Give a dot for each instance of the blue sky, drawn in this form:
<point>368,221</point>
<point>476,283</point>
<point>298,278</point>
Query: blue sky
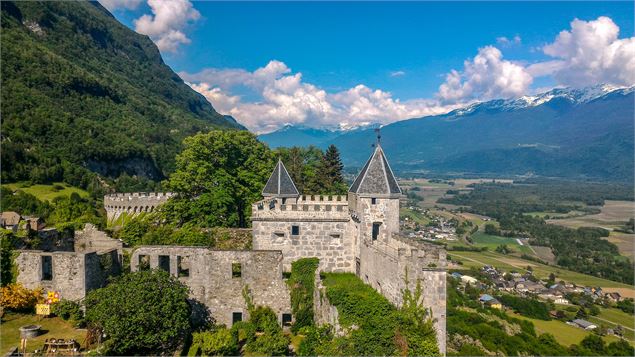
<point>399,53</point>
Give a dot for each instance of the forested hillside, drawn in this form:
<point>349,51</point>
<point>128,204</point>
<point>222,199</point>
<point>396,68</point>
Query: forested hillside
<point>81,92</point>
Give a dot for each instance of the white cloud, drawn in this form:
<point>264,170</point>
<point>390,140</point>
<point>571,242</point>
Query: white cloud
<point>397,73</point>
<point>506,42</point>
<point>120,4</point>
<point>165,25</point>
<point>283,98</point>
<point>588,54</point>
<point>487,76</point>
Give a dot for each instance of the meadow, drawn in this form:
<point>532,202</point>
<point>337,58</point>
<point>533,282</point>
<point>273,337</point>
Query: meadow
<point>53,327</point>
<point>47,192</point>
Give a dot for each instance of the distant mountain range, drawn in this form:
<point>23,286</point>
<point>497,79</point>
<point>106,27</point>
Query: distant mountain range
<point>575,133</point>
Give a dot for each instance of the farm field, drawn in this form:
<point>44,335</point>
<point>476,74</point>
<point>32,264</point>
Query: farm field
<point>48,192</point>
<point>611,317</point>
<point>565,334</point>
<point>508,263</point>
<point>625,243</point>
<point>53,327</point>
<point>613,214</point>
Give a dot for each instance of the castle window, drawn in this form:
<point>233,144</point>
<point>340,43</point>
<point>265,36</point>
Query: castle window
<point>182,271</point>
<point>376,230</point>
<point>278,234</point>
<point>295,230</point>
<point>237,317</point>
<point>237,270</point>
<point>144,262</point>
<point>335,235</point>
<point>286,319</point>
<point>373,201</point>
<point>164,262</point>
<point>47,267</point>
<point>284,201</point>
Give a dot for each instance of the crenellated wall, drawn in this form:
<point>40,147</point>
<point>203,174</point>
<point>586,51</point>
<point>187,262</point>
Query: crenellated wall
<point>133,203</point>
<point>323,230</point>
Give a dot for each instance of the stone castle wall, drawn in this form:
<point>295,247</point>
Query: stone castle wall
<point>323,225</point>
<point>385,264</point>
<point>133,203</point>
<point>211,281</point>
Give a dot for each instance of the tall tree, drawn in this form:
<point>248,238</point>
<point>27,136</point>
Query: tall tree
<point>218,176</point>
<point>330,172</point>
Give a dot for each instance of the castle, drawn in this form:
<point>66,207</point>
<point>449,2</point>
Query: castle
<point>357,233</point>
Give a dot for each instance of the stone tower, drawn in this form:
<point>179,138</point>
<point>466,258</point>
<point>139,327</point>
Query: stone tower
<point>374,198</point>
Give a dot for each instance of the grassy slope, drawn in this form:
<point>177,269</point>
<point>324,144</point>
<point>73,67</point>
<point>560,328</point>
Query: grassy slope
<point>55,327</point>
<point>47,192</point>
<point>481,239</point>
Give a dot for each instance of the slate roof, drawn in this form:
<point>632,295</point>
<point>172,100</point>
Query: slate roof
<point>376,178</point>
<point>280,183</point>
<point>486,297</point>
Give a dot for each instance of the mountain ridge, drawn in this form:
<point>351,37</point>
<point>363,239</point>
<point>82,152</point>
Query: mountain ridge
<point>82,92</point>
<point>548,132</point>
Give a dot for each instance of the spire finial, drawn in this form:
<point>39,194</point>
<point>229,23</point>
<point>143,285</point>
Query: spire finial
<point>377,131</point>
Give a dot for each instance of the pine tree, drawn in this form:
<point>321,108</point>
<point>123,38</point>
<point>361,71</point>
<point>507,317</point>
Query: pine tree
<point>330,172</point>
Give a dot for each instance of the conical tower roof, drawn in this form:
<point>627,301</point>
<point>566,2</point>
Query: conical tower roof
<point>280,183</point>
<point>376,178</point>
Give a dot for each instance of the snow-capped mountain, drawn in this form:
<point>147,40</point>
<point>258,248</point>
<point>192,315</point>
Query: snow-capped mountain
<point>571,95</point>
<point>584,133</point>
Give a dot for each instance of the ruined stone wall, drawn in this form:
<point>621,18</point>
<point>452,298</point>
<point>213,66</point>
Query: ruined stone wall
<point>324,227</point>
<point>90,239</point>
<point>211,281</point>
<point>323,311</point>
<point>133,203</point>
<point>383,265</point>
<point>69,274</point>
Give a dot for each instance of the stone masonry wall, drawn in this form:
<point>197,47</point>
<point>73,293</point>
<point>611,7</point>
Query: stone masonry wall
<point>323,311</point>
<point>69,274</point>
<point>211,281</point>
<point>324,226</point>
<point>91,239</point>
<point>384,265</point>
<point>133,203</point>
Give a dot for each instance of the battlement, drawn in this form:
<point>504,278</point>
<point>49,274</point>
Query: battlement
<point>133,203</point>
<point>308,208</point>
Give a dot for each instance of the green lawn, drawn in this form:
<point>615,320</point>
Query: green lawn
<point>414,216</point>
<point>53,327</point>
<point>485,240</point>
<point>616,317</point>
<point>47,192</point>
<point>564,334</point>
<point>508,262</point>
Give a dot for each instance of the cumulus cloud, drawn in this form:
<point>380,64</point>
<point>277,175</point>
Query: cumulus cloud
<point>165,25</point>
<point>120,4</point>
<point>486,76</point>
<point>589,53</point>
<point>284,98</point>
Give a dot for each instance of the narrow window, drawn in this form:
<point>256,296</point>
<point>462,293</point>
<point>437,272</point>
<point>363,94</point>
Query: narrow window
<point>335,235</point>
<point>144,262</point>
<point>373,201</point>
<point>278,234</point>
<point>284,201</point>
<point>47,267</point>
<point>286,319</point>
<point>182,267</point>
<point>376,230</point>
<point>295,230</point>
<point>237,270</point>
<point>164,262</point>
<point>237,317</point>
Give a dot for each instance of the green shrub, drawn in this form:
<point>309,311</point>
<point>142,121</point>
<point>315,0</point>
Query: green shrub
<point>217,343</point>
<point>264,320</point>
<point>244,332</point>
<point>269,344</point>
<point>68,310</point>
<point>302,284</point>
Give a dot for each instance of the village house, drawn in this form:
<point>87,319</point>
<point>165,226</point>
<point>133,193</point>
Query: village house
<point>10,220</point>
<point>584,324</point>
